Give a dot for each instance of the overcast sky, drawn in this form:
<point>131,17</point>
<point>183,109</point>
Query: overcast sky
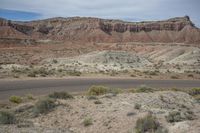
<point>131,10</point>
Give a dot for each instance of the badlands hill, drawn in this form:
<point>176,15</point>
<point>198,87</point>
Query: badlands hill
<point>175,30</point>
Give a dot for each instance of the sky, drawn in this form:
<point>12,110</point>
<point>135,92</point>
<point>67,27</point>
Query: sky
<point>129,10</point>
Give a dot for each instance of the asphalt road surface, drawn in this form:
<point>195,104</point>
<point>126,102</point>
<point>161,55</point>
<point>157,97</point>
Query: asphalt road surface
<point>45,86</point>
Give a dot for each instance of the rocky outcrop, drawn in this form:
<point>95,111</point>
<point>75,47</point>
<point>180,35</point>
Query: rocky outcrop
<point>102,30</point>
<point>3,22</point>
<point>175,24</point>
<point>22,28</point>
<point>16,25</point>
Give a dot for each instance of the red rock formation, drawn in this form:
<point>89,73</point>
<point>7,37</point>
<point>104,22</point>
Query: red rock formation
<point>175,24</point>
<point>101,30</point>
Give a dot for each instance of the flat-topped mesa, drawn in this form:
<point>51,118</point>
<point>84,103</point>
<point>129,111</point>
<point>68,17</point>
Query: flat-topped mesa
<point>87,29</point>
<point>83,23</point>
<point>174,24</point>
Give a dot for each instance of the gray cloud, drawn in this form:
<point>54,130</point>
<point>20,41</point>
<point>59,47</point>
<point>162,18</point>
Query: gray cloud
<point>126,9</point>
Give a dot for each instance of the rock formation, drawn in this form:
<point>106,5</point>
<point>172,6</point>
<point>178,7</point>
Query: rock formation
<point>175,30</point>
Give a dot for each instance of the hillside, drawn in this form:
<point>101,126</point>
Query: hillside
<point>59,47</point>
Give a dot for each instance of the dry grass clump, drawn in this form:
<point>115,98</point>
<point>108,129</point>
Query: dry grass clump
<point>97,102</point>
<point>142,89</point>
<point>101,90</point>
<point>174,77</point>
<point>31,74</point>
<point>176,116</point>
<point>87,121</point>
<point>115,91</point>
<point>97,90</point>
<point>152,73</point>
<point>30,97</point>
<point>44,106</point>
<point>7,117</point>
<point>195,92</point>
<point>197,98</point>
<point>145,89</point>
<point>137,106</point>
<point>54,61</point>
<point>61,95</point>
<point>148,124</point>
<point>74,73</point>
<point>15,99</point>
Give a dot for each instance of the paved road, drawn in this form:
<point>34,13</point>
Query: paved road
<point>44,86</point>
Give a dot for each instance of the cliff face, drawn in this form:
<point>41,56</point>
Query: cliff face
<point>102,30</point>
<point>175,24</point>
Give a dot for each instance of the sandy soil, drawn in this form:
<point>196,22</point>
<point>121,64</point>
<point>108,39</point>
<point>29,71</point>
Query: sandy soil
<point>113,114</point>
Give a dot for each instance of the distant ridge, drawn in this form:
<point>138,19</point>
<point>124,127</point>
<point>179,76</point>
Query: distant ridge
<point>87,29</point>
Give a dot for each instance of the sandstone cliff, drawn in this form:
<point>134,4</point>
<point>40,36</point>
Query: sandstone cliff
<point>179,30</point>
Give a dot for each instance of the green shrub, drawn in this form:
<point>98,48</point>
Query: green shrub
<point>197,98</point>
<point>113,73</point>
<point>174,116</point>
<point>147,124</point>
<point>175,89</point>
<point>87,122</point>
<point>15,99</point>
<point>132,90</point>
<point>74,73</point>
<point>16,70</point>
<point>115,90</point>
<point>60,95</point>
<point>189,115</point>
<point>97,90</point>
<point>55,61</point>
<point>144,88</point>
<point>60,70</point>
<point>177,116</point>
<point>137,106</point>
<point>97,102</point>
<point>191,75</point>
<point>153,73</point>
<point>44,106</point>
<point>39,71</point>
<point>42,71</point>
<point>133,75</point>
<point>30,97</point>
<point>7,117</point>
<point>31,74</point>
<point>194,91</point>
<point>174,77</point>
<point>162,98</point>
<point>161,130</point>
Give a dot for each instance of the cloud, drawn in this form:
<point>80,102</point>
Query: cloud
<point>76,7</point>
<point>120,9</point>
